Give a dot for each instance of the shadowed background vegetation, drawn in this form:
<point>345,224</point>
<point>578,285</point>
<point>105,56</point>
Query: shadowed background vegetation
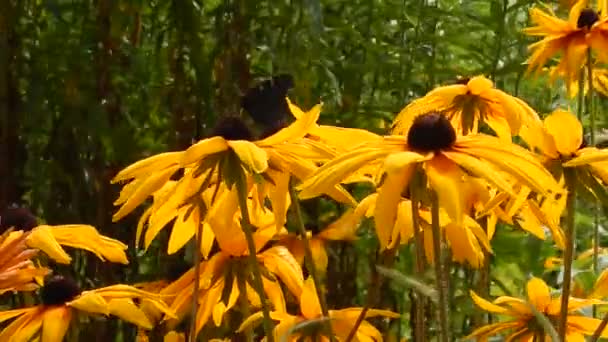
<point>87,87</point>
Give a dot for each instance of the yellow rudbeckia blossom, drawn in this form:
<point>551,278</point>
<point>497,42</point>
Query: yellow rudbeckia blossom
<point>61,297</point>
<point>585,29</point>
<point>225,277</point>
<point>468,105</point>
<point>522,323</point>
<point>17,270</point>
<point>342,321</point>
<point>563,147</point>
<point>432,146</point>
<point>268,163</point>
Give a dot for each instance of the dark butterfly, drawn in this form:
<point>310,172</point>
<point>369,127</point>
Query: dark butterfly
<point>266,103</point>
<point>20,218</point>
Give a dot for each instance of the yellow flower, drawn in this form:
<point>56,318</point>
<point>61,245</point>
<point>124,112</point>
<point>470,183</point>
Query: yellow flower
<point>432,146</point>
<point>562,145</point>
<point>522,322</point>
<point>49,239</point>
<point>209,168</point>
<point>469,104</point>
<point>466,241</point>
<point>600,81</point>
<point>342,321</point>
<point>17,271</point>
<point>49,321</point>
<point>225,277</point>
<point>585,29</point>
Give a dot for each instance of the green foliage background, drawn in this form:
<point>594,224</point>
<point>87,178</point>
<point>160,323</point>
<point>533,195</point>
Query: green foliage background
<point>89,86</point>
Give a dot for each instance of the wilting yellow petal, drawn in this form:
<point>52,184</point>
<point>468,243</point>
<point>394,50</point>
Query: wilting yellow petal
<point>538,294</point>
<point>387,202</point>
<point>479,84</point>
<point>587,156</point>
<point>566,130</point>
<point>152,183</point>
<point>396,162</point>
<point>278,260</point>
<point>90,302</point>
<point>148,166</point>
<point>55,323</point>
<point>487,306</point>
<point>88,238</point>
<point>127,310</point>
<point>298,129</point>
<point>42,239</point>
<point>184,228</point>
<point>309,302</point>
<point>446,178</point>
<point>253,157</point>
<point>202,149</point>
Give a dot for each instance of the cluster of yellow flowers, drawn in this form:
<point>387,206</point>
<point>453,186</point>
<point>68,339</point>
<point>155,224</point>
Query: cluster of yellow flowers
<point>439,182</point>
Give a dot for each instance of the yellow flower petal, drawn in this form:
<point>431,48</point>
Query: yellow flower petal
<point>304,123</point>
<point>396,162</point>
<point>173,336</point>
<point>55,323</point>
<point>278,260</point>
<point>126,310</point>
<point>538,294</point>
<point>479,84</point>
<point>147,187</point>
<point>446,178</point>
<point>566,130</point>
<point>309,302</point>
<point>184,228</point>
<point>253,157</point>
<point>487,306</point>
<point>202,149</point>
<point>92,302</point>
<point>389,195</point>
<point>42,239</point>
<point>587,156</point>
<point>148,166</point>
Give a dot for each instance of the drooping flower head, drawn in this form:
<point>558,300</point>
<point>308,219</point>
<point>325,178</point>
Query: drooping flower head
<point>432,147</point>
<point>468,105</point>
<point>342,321</point>
<point>49,321</point>
<point>522,324</point>
<point>585,29</point>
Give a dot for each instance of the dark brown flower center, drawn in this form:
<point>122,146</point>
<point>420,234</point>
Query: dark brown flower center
<point>58,290</point>
<point>232,128</point>
<point>587,18</point>
<point>431,132</point>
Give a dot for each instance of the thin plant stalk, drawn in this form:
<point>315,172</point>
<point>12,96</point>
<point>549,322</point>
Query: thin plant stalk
<point>253,262</point>
<point>195,286</point>
<point>439,274</point>
<point>419,324</point>
<point>600,328</point>
<point>373,290</point>
<point>310,264</point>
<point>570,176</point>
<point>591,112</point>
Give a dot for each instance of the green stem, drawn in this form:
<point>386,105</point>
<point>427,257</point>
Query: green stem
<point>419,326</point>
<point>310,264</point>
<point>253,261</point>
<point>439,274</point>
<point>373,290</point>
<point>197,271</point>
<point>600,328</point>
<point>591,112</point>
<point>570,176</point>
